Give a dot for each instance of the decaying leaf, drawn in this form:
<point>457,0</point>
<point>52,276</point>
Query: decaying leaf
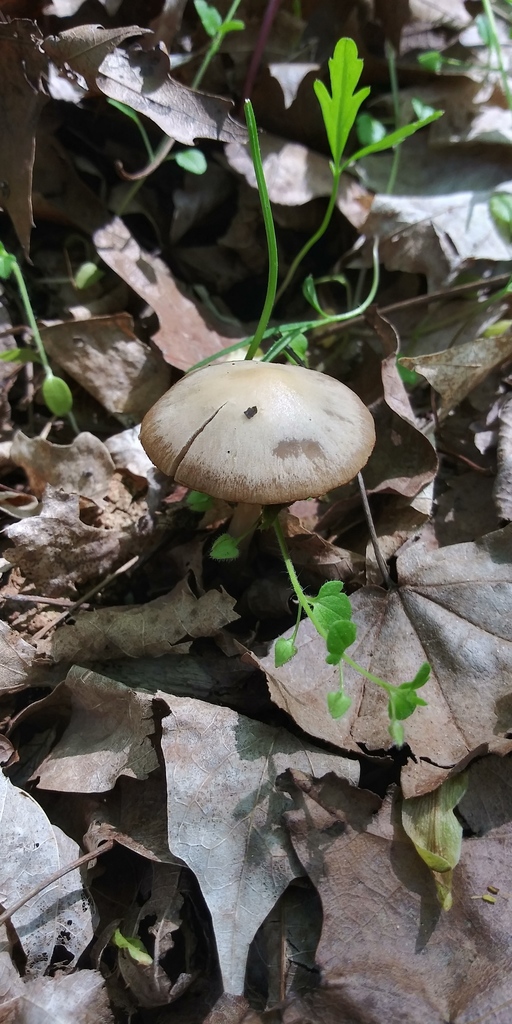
<point>108,735</point>
<point>453,608</point>
<point>150,629</point>
<point>58,999</point>
<point>105,357</point>
<point>57,552</point>
<point>16,660</point>
<point>503,484</point>
<point>236,845</point>
<point>32,850</point>
<point>84,466</point>
<point>458,370</point>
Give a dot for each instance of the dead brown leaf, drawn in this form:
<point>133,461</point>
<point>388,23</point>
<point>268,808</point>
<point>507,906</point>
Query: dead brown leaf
<point>79,998</point>
<point>452,608</point>
<point>108,735</point>
<point>58,553</point>
<point>455,372</point>
<point>83,48</point>
<point>22,67</point>
<point>110,362</point>
<point>235,845</point>
<point>16,660</point>
<point>503,484</point>
<point>145,630</point>
<point>387,952</point>
<point>83,467</point>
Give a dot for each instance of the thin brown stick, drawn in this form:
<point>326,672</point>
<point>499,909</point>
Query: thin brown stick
<point>86,597</point>
<point>386,578</point>
<point>104,848</point>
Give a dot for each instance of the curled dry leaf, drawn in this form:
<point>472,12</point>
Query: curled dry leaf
<point>16,660</point>
<point>455,372</point>
<point>84,466</point>
<point>387,952</point>
<point>83,48</point>
<point>22,67</point>
<point>32,850</point>
<point>503,485</point>
<point>236,846</point>
<point>453,607</point>
<point>108,735</point>
<point>144,630</point>
<point>127,453</point>
<point>110,362</point>
<point>57,552</point>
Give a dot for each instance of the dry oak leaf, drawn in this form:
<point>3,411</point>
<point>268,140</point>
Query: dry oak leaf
<point>56,552</point>
<point>83,48</point>
<point>108,735</point>
<point>225,811</point>
<point>457,370</point>
<point>79,998</point>
<point>453,608</point>
<point>387,952</point>
<point>84,466</point>
<point>16,660</point>
<point>33,849</point>
<point>148,630</point>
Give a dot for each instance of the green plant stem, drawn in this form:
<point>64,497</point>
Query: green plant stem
<point>393,79</point>
<point>269,230</point>
<point>27,306</point>
<point>305,605</point>
<point>336,177</point>
<point>214,45</point>
<point>496,46</point>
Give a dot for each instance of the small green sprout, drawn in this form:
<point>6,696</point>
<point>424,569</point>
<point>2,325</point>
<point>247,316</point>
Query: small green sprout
<point>56,392</point>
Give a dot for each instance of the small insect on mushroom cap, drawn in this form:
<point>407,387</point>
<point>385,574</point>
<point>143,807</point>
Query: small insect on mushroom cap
<point>262,433</point>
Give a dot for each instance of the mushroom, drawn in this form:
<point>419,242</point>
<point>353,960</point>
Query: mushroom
<point>258,434</point>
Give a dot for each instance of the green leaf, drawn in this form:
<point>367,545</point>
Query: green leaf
<point>339,110</point>
<point>231,26</point>
<point>20,355</point>
<point>57,395</point>
<point>330,606</point>
<point>284,650</point>
<point>500,206</point>
<point>134,946</point>
<point>403,700</point>
<point>299,344</point>
<point>408,376</point>
<point>340,636</point>
<point>436,832</point>
<point>198,501</point>
<point>369,129</point>
<point>338,703</point>
<point>6,262</point>
<point>431,60</point>
<point>394,138</point>
<point>87,274</point>
<point>225,548</point>
<point>192,160</point>
<point>309,293</point>
<point>421,109</point>
<point>422,676</point>
<point>209,16</point>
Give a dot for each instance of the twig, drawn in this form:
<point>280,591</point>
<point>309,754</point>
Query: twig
<point>90,593</point>
<point>386,578</point>
<point>104,848</point>
<point>59,602</point>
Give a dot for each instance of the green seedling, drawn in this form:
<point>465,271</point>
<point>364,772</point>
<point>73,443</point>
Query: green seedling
<point>134,946</point>
<point>331,614</point>
<point>339,109</point>
<point>55,391</point>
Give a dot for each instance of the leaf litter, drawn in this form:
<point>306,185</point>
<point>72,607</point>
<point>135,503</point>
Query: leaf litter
<point>260,853</point>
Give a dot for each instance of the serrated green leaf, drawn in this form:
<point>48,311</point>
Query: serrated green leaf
<point>225,548</point>
<point>20,355</point>
<point>338,703</point>
<point>340,636</point>
<point>395,138</point>
<point>431,60</point>
<point>209,17</point>
<point>500,206</point>
<point>198,501</point>
<point>284,650</point>
<point>369,129</point>
<point>135,947</point>
<point>192,160</point>
<point>57,395</point>
<point>339,110</point>
<point>87,274</point>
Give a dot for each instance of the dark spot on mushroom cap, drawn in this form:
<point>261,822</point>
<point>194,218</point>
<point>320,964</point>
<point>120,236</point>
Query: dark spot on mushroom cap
<point>251,412</point>
<point>295,448</point>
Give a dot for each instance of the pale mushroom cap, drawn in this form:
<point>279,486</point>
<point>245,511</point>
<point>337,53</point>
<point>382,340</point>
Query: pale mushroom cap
<point>262,433</point>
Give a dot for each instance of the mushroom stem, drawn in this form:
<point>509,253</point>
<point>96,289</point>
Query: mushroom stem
<point>243,522</point>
